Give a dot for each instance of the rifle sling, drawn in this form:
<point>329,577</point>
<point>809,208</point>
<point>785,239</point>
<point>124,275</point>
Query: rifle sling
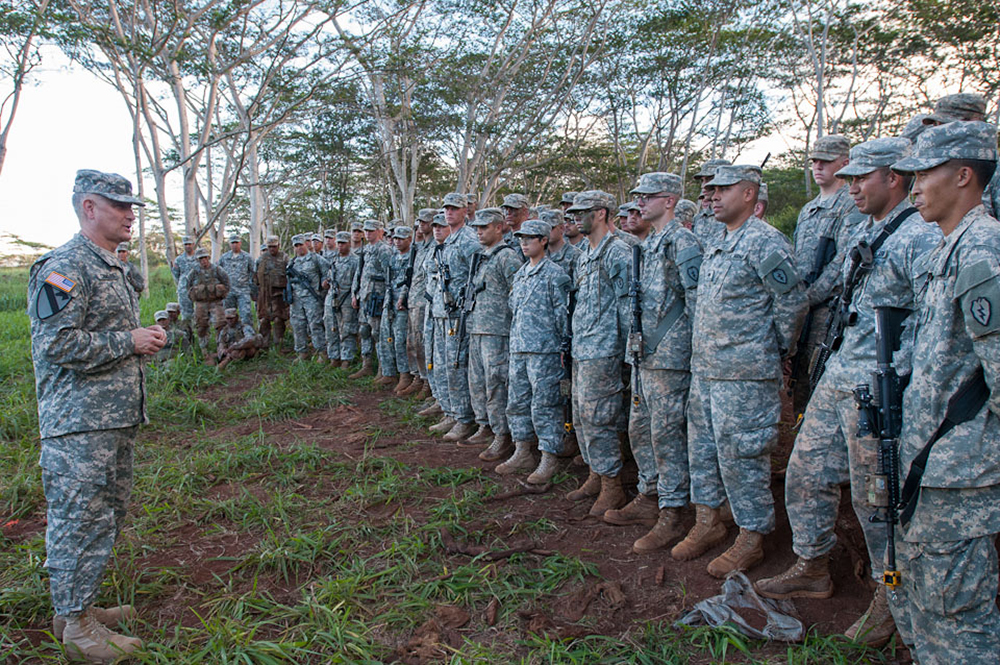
<point>883,235</point>
<point>651,341</point>
<point>963,406</point>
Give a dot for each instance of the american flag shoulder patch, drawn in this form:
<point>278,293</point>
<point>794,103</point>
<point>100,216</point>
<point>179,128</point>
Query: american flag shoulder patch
<point>60,281</point>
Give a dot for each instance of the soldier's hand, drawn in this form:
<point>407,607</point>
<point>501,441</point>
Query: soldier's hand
<point>399,304</point>
<point>148,340</point>
<point>325,284</point>
<point>354,303</point>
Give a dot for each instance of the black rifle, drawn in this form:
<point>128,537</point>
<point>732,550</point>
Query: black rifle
<point>296,276</point>
<point>566,356</point>
<point>465,305</point>
<point>635,337</point>
<point>357,275</point>
<point>824,254</point>
<point>880,414</point>
<point>408,276</point>
<point>444,274</point>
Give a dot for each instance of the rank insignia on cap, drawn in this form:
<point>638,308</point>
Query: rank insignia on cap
<point>60,281</point>
<point>54,295</point>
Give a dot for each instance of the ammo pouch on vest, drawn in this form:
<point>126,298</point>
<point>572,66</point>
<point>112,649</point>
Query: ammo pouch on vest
<point>198,292</point>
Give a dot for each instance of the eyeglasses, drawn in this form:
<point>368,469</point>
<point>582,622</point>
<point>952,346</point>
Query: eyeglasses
<point>642,198</point>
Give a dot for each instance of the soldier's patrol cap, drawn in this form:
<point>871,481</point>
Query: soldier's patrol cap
<point>109,185</point>
<point>201,252</point>
<point>622,211</point>
<point>439,220</point>
<point>471,198</point>
<point>830,147</point>
<point>515,201</point>
<point>330,233</point>
<point>455,200</point>
<point>708,168</point>
<point>534,227</point>
<point>426,214</point>
<point>487,216</point>
<point>568,197</point>
<point>343,236</point>
<point>955,140</point>
<point>316,237</point>
<point>357,226</point>
<point>593,198</point>
<point>872,155</point>
<point>402,231</point>
<point>231,312</point>
<point>234,238</point>
<point>960,106</point>
<point>685,210</point>
<point>735,173</point>
<point>122,247</point>
<point>161,315</point>
<point>552,217</point>
<point>187,240</point>
<point>173,307</point>
<point>273,241</point>
<point>297,239</point>
<point>914,127</point>
<point>761,193</point>
<point>659,182</point>
<point>372,225</point>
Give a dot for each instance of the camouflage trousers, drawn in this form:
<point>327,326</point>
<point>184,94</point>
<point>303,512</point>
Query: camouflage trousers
<point>452,382</point>
<point>341,324</point>
<point>87,500</point>
<point>415,357</point>
<point>187,306</point>
<point>241,300</point>
<point>945,607</point>
<point>657,434</point>
<point>432,377</point>
<point>732,429</point>
<point>392,344</point>
<point>827,455</point>
<point>206,312</point>
<point>488,368</point>
<point>307,323</point>
<point>368,329</point>
<point>534,402</point>
<point>597,407</point>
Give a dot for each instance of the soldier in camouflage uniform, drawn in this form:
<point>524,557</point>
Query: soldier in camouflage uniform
<point>206,286</point>
<point>305,272</point>
<point>822,234</point>
<point>538,303</point>
<point>828,452</point>
<point>436,281</point>
<point>516,211</point>
<point>671,262</point>
<point>704,225</point>
<point>357,237</point>
<point>239,266</point>
<point>236,340</point>
<point>339,316</point>
<point>330,251</point>
<point>600,324</point>
<point>175,339</point>
<point>132,272</point>
<point>559,251</point>
<point>395,320</point>
<point>413,295</point>
<point>270,280</point>
<point>684,212</point>
<point>183,326</point>
<point>945,606</point>
<point>184,264</point>
<point>87,345</point>
<point>488,327</point>
<point>368,295</point>
<point>315,243</point>
<point>750,307</point>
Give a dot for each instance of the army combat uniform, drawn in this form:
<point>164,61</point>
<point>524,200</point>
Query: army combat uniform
<point>339,315</point>
<point>184,264</point>
<point>239,267</point>
<point>416,308</point>
<point>206,287</point>
<point>395,321</point>
<point>369,289</point>
<point>305,276</point>
<point>270,280</point>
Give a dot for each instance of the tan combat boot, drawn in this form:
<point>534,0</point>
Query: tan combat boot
<point>384,380</point>
<point>707,532</point>
<point>405,381</point>
<point>222,363</point>
<point>807,578</point>
<point>545,470</point>
<point>589,488</point>
<point>444,425</point>
<point>109,618</point>
<point>570,446</point>
<point>521,460</point>
<point>745,553</point>
<point>433,410</point>
<point>366,369</point>
<point>425,392</point>
<point>666,530</point>
<point>460,431</point>
<point>499,448</point>
<point>321,357</point>
<point>643,509</point>
<point>612,496</point>
<point>482,436</point>
<point>86,640</point>
<point>345,364</point>
<point>416,385</point>
<point>876,626</point>
<point>301,357</point>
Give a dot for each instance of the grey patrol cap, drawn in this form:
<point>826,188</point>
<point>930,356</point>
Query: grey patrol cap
<point>439,220</point>
<point>187,240</point>
<point>343,236</point>
<point>685,210</point>
<point>122,247</point>
<point>372,225</point>
<point>426,214</point>
<point>552,217</point>
<point>273,241</point>
<point>872,155</point>
<point>568,197</point>
<point>172,307</point>
<point>161,315</point>
<point>487,216</point>
<point>830,147</point>
<point>534,227</point>
<point>316,237</point>
<point>709,167</point>
<point>735,173</point>
<point>515,201</point>
<point>402,232</point>
<point>234,238</point>
<point>109,185</point>
<point>960,106</point>
<point>955,140</point>
<point>201,252</point>
<point>330,233</point>
<point>455,200</point>
<point>297,239</point>
<point>659,182</point>
<point>914,127</point>
<point>593,198</point>
<point>357,226</point>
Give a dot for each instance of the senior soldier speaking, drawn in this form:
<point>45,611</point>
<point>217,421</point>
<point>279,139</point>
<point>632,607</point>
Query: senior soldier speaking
<point>86,344</point>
